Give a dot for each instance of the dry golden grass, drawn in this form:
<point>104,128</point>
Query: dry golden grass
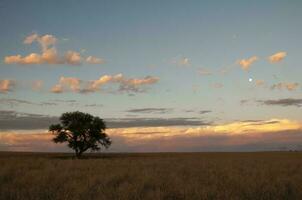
<point>252,176</point>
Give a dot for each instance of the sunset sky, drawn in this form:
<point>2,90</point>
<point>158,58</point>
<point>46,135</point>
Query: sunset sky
<point>165,75</point>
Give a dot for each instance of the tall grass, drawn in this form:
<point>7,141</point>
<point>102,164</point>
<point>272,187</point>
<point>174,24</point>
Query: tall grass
<point>152,176</point>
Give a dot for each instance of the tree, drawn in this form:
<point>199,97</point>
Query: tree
<point>81,131</point>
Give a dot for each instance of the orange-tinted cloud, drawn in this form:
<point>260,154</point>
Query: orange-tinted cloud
<point>277,57</point>
<point>6,85</point>
<point>37,85</point>
<point>49,53</point>
<point>125,84</point>
<point>67,83</point>
<point>259,82</point>
<point>246,63</point>
<point>240,135</point>
<point>284,85</point>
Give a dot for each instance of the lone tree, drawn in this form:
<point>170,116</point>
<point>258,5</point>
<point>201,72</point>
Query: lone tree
<point>81,131</point>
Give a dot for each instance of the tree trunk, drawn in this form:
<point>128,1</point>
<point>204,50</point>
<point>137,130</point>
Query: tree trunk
<point>79,154</point>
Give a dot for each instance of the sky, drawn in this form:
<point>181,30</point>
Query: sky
<point>165,75</point>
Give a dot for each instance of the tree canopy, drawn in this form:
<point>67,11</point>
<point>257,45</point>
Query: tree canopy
<point>81,131</point>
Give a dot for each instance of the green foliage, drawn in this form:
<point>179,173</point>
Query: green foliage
<point>81,131</point>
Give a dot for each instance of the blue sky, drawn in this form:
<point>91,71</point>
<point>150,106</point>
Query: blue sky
<point>182,45</point>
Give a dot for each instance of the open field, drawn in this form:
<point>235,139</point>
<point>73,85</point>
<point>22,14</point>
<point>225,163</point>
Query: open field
<point>263,175</point>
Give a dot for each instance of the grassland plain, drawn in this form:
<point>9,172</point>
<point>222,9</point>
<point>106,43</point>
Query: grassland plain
<point>262,175</point>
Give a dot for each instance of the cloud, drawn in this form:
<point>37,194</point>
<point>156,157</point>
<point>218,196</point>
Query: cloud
<point>12,120</point>
<point>284,85</point>
<point>204,72</point>
<point>249,127</point>
<point>30,141</point>
<point>94,60</point>
<point>73,57</point>
<point>246,63</point>
<point>31,38</point>
<point>20,102</point>
<point>282,102</point>
<point>244,101</point>
<point>259,82</point>
<point>251,135</point>
<point>67,83</point>
<point>129,85</point>
<point>93,105</point>
<point>45,41</point>
<point>204,111</point>
<point>151,110</point>
<point>134,84</point>
<point>277,57</point>
<point>15,102</point>
<point>6,85</point>
<point>155,122</point>
<point>37,85</point>
<point>217,85</point>
<point>184,61</point>
<point>181,61</point>
<point>48,53</point>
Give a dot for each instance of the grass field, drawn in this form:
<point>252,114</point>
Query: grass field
<point>39,176</point>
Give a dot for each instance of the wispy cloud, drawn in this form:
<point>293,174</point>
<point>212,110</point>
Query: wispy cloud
<point>260,82</point>
<point>15,102</point>
<point>204,111</point>
<point>285,85</point>
<point>37,85</point>
<point>6,85</point>
<point>93,105</point>
<point>94,60</point>
<point>151,110</point>
<point>282,102</point>
<point>273,102</point>
<point>217,85</point>
<point>181,61</point>
<point>12,120</point>
<point>204,72</point>
<point>128,85</point>
<point>246,63</point>
<point>277,57</point>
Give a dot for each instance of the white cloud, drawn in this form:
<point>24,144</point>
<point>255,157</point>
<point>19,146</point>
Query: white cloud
<point>94,60</point>
<point>181,61</point>
<point>202,71</point>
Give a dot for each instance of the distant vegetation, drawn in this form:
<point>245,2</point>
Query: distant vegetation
<point>271,175</point>
<point>81,131</point>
